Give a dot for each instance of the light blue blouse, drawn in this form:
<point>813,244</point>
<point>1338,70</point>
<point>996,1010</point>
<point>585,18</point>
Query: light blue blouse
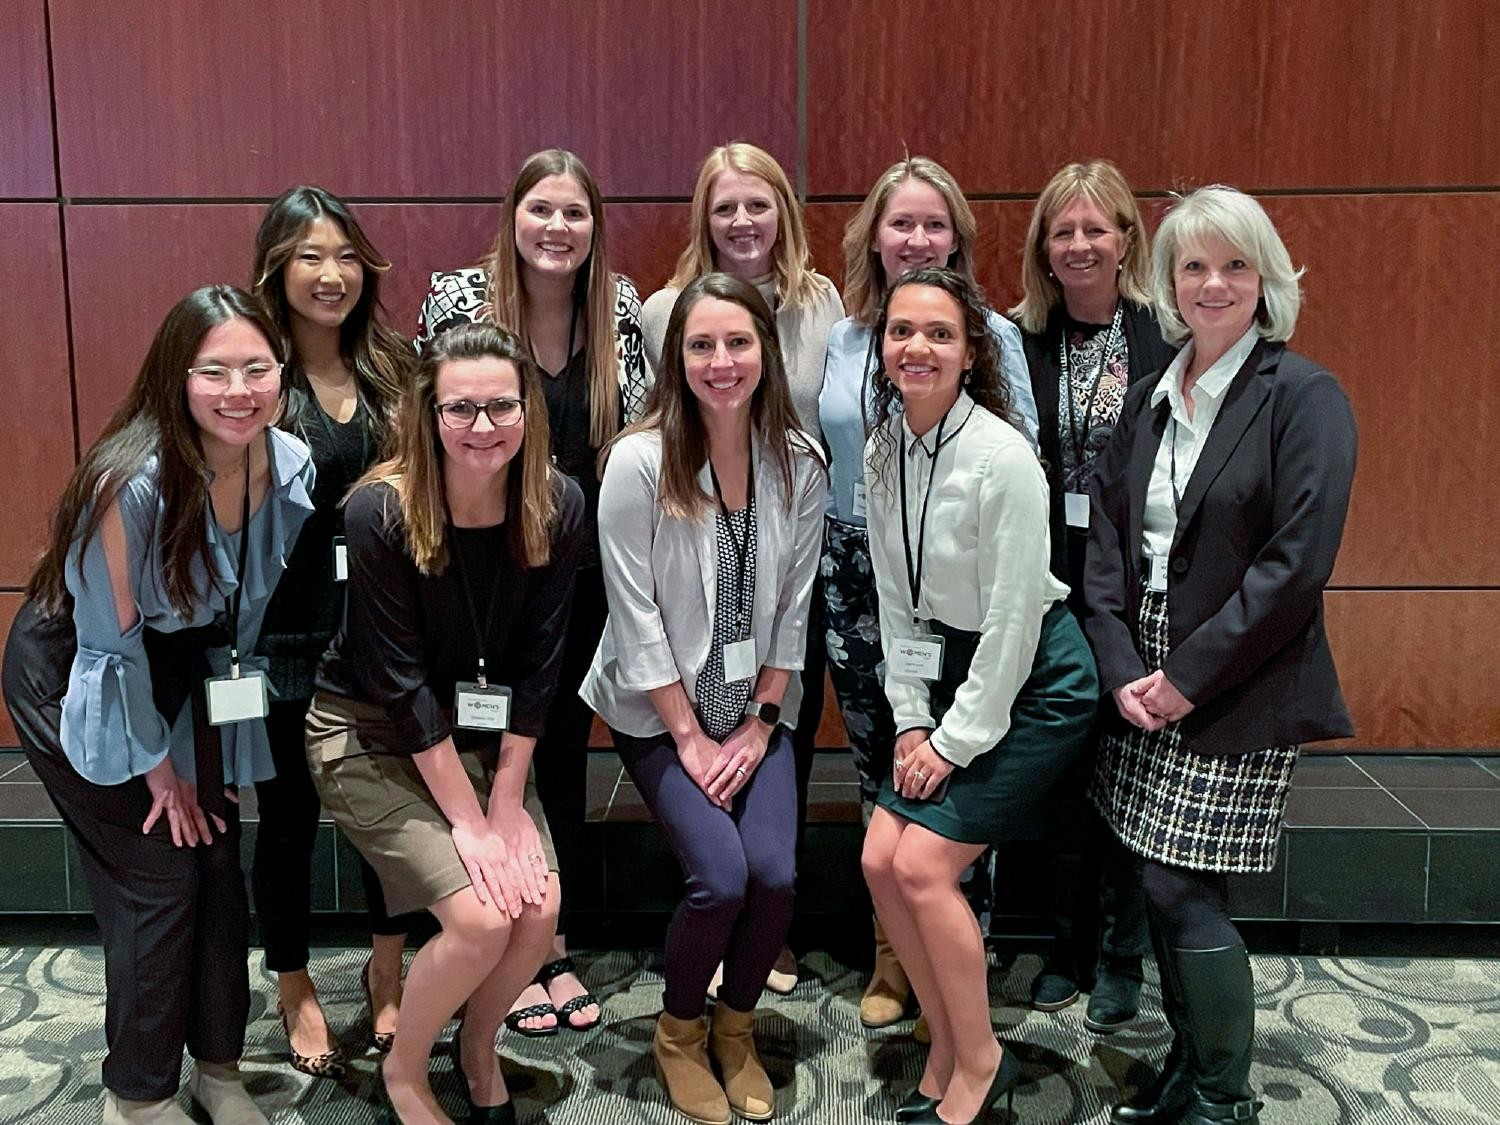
<point>845,401</point>
<point>110,729</point>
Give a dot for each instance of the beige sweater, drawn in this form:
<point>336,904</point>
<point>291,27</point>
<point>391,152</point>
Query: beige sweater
<point>803,333</point>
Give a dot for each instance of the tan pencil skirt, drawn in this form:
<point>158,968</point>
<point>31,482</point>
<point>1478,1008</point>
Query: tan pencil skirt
<point>380,802</point>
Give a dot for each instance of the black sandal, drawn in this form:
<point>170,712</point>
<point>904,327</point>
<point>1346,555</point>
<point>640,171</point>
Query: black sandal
<point>532,1011</point>
<point>550,972</point>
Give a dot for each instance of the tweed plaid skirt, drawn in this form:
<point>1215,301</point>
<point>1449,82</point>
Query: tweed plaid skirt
<point>1169,804</point>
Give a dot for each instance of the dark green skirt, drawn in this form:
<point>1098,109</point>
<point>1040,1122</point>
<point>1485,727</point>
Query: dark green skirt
<point>1000,795</point>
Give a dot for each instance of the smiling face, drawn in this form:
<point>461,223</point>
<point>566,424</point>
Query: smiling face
<point>743,223</point>
<point>1217,292</point>
<point>231,415</point>
<point>324,276</point>
<point>915,229</point>
<point>721,355</point>
<point>554,226</point>
<point>926,351</point>
<point>484,448</point>
<point>1084,250</point>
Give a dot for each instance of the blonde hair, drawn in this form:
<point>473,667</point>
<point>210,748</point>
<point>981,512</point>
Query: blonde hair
<point>1102,184</point>
<point>415,467</point>
<point>865,283</point>
<point>791,259</point>
<point>1228,213</point>
<point>593,288</point>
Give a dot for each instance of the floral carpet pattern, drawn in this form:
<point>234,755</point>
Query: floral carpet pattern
<point>1339,1041</point>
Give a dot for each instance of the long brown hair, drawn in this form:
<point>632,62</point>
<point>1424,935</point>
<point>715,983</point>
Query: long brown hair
<point>791,259</point>
<point>153,421</point>
<point>593,287</point>
<point>415,467</point>
<point>985,381</point>
<point>380,359</point>
<point>672,409</point>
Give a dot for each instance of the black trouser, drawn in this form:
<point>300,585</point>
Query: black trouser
<point>810,712</point>
<point>1190,907</point>
<point>281,875</point>
<point>561,759</point>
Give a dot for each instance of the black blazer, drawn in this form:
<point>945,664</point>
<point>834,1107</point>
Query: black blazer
<point>1148,356</point>
<point>1257,534</point>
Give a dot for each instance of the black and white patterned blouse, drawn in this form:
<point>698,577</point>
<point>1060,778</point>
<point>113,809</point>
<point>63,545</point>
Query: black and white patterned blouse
<point>1084,431</point>
<point>721,706</point>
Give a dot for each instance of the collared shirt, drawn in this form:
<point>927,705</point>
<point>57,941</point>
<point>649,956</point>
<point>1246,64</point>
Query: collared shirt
<point>845,403</point>
<point>984,565</point>
<point>1187,434</point>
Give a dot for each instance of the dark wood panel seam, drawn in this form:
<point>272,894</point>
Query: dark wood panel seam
<point>1413,589</point>
<point>52,103</point>
<point>802,99</point>
<point>1265,192</point>
<point>62,228</point>
<point>233,200</point>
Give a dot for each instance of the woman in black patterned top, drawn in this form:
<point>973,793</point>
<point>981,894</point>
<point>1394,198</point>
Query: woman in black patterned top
<point>548,279</point>
<point>318,277</point>
<point>1089,333</point>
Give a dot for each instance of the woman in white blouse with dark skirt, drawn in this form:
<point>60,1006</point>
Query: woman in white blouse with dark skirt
<point>992,685</point>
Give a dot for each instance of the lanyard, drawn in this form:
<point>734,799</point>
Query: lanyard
<point>741,548</point>
<point>481,636</point>
<point>239,576</point>
<point>864,385</point>
<point>914,571</point>
<point>1172,468</point>
<point>1080,437</point>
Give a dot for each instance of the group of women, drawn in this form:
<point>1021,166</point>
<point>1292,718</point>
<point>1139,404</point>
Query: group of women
<point>398,584</point>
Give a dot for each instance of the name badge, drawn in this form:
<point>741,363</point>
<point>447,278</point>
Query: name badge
<point>859,500</point>
<point>1156,581</point>
<point>918,657</point>
<point>234,699</point>
<point>481,707</point>
<point>1076,509</point>
<point>739,661</point>
<point>340,559</point>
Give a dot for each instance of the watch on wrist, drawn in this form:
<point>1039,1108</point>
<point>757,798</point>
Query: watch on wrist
<point>768,713</point>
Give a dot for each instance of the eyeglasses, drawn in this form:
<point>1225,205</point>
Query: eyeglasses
<point>462,415</point>
<point>258,376</point>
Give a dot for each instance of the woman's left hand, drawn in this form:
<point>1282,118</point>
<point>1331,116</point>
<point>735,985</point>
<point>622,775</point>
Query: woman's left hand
<point>1163,699</point>
<point>740,756</point>
<point>922,770</point>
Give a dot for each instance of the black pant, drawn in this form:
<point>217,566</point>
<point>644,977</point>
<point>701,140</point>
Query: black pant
<point>1190,907</point>
<point>281,875</point>
<point>561,759</point>
<point>810,713</point>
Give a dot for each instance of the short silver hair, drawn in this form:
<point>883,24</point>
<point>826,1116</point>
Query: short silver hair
<point>1239,220</point>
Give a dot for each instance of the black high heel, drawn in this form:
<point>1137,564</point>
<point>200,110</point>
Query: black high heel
<point>1007,1078</point>
<point>915,1105</point>
<point>479,1114</point>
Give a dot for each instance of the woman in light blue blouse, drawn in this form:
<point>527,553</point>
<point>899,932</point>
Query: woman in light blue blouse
<point>131,677</point>
<point>914,216</point>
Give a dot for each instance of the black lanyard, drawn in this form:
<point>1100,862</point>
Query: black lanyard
<point>233,608</point>
<point>864,385</point>
<point>1172,467</point>
<point>741,548</point>
<point>914,571</point>
<point>481,636</point>
<point>1080,439</point>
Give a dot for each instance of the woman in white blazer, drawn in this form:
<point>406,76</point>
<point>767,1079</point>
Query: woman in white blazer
<point>710,519</point>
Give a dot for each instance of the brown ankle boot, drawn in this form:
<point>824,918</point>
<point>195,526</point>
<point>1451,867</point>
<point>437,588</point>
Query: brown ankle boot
<point>732,1040</point>
<point>884,1001</point>
<point>681,1050</point>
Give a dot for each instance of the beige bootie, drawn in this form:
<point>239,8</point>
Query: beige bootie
<point>681,1050</point>
<point>884,1001</point>
<point>732,1041</point>
<point>220,1090</point>
<point>123,1111</point>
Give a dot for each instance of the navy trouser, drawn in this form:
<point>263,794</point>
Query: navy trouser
<point>740,866</point>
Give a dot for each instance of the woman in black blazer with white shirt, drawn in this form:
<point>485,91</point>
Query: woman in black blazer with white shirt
<point>1216,516</point>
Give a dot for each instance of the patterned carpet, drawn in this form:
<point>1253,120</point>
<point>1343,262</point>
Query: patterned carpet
<point>1339,1042</point>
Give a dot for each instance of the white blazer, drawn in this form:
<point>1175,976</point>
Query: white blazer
<point>661,578</point>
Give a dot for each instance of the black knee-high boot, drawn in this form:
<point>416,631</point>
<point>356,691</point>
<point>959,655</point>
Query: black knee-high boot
<point>1168,1097</point>
<point>1217,994</point>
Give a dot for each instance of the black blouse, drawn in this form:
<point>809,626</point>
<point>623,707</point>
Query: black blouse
<point>408,638</point>
<point>567,395</point>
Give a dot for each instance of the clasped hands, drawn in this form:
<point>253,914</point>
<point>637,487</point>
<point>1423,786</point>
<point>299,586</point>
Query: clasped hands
<point>722,769</point>
<point>1151,702</point>
<point>918,768</point>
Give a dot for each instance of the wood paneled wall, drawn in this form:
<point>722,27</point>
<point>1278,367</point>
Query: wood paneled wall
<point>138,151</point>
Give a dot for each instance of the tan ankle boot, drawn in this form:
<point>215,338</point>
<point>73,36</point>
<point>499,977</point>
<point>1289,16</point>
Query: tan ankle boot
<point>732,1041</point>
<point>681,1050</point>
<point>220,1090</point>
<point>123,1111</point>
<point>884,1001</point>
